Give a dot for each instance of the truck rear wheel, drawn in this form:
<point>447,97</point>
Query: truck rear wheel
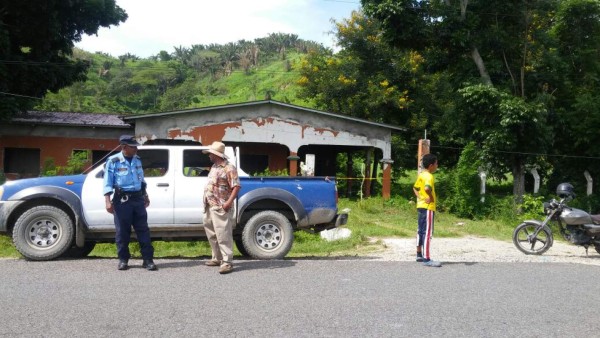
<point>43,233</point>
<point>268,235</point>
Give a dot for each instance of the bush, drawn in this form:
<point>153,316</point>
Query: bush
<point>75,164</point>
<point>502,208</point>
<point>532,207</point>
<point>267,172</point>
<point>590,203</point>
<point>463,185</point>
<point>49,167</point>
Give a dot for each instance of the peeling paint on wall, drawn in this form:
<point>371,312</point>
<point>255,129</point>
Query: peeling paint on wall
<point>320,131</point>
<point>272,130</point>
<point>204,134</point>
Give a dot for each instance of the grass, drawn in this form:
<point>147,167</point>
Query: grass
<point>370,220</point>
<point>6,247</point>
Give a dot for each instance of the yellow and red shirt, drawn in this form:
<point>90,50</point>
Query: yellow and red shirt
<point>424,180</point>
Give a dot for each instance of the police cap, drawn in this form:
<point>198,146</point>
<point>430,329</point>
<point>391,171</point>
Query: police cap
<point>128,140</point>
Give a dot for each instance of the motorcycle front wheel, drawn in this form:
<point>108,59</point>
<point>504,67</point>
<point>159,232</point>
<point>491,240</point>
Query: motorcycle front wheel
<point>527,243</point>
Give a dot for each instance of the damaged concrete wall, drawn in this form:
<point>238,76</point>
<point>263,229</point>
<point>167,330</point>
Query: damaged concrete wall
<point>269,122</point>
<point>263,123</point>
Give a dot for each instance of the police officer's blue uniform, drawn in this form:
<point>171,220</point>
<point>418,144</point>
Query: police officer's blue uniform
<point>126,178</point>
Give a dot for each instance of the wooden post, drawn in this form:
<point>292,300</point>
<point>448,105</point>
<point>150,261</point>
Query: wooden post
<point>386,188</point>
<point>368,160</point>
<point>423,150</point>
<point>293,158</point>
<point>374,173</point>
<point>349,174</point>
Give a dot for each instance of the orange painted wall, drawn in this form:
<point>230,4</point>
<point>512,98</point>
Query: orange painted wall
<point>56,147</point>
<point>277,153</point>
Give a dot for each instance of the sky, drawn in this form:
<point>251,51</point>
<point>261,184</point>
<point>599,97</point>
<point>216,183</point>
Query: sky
<point>155,25</point>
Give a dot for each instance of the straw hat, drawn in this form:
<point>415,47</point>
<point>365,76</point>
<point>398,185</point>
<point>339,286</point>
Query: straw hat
<point>217,148</point>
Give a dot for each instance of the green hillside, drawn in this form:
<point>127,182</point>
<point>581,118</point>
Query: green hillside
<point>199,76</point>
<point>276,79</point>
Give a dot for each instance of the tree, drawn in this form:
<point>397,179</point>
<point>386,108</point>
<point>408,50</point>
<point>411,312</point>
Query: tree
<point>229,56</point>
<point>36,45</point>
<point>366,79</point>
<point>536,52</point>
<point>502,126</point>
<point>577,105</point>
<point>163,55</point>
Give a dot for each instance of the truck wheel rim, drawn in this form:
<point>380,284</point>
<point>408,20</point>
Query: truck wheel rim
<point>43,233</point>
<point>268,236</point>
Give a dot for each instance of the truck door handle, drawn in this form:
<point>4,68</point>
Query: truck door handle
<point>162,184</point>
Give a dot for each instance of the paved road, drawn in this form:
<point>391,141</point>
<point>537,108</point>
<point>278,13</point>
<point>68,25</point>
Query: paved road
<point>298,298</point>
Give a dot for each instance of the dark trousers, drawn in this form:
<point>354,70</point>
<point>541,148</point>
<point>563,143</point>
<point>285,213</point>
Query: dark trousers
<point>132,212</point>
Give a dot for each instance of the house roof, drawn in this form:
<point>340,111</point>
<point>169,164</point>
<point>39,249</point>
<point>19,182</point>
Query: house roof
<point>257,103</point>
<point>70,119</point>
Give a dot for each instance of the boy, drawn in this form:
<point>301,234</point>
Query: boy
<point>424,190</point>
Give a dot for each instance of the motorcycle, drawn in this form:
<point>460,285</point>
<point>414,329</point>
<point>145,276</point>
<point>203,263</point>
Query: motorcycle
<point>533,237</point>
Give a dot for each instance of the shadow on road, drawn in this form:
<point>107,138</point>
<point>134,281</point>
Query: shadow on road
<point>460,263</point>
<point>176,262</point>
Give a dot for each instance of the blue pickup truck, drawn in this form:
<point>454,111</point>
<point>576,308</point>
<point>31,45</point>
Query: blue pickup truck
<point>65,215</point>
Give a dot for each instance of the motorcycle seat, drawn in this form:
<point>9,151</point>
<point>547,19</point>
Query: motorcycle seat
<point>595,219</point>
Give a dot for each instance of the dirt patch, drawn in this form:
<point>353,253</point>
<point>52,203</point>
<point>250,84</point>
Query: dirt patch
<point>474,249</point>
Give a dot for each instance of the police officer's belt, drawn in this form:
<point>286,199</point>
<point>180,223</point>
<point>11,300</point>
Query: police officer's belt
<point>131,193</point>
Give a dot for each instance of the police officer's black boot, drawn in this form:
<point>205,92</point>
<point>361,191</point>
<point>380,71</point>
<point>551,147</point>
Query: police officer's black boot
<point>122,265</point>
<point>149,265</point>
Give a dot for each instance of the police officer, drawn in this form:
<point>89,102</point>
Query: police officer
<point>124,177</point>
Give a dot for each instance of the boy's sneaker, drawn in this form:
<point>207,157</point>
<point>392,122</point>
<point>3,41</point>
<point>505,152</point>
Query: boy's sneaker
<point>420,258</point>
<point>432,263</point>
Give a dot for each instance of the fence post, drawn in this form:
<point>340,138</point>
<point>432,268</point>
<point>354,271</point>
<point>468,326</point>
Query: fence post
<point>482,177</point>
<point>536,180</point>
<point>590,182</point>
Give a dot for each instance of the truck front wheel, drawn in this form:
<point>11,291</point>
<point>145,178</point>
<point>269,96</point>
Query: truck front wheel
<point>268,235</point>
<point>43,233</point>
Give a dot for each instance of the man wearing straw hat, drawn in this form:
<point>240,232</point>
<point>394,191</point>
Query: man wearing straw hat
<point>219,201</point>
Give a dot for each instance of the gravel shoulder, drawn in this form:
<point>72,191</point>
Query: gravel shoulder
<point>475,249</point>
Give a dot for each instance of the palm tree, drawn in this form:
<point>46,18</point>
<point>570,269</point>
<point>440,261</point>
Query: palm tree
<point>229,55</point>
<point>182,54</point>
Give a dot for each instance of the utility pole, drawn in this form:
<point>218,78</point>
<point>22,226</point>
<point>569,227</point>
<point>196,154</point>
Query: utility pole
<point>423,150</point>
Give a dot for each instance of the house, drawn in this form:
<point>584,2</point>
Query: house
<point>33,139</point>
<point>271,135</point>
<point>276,135</point>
